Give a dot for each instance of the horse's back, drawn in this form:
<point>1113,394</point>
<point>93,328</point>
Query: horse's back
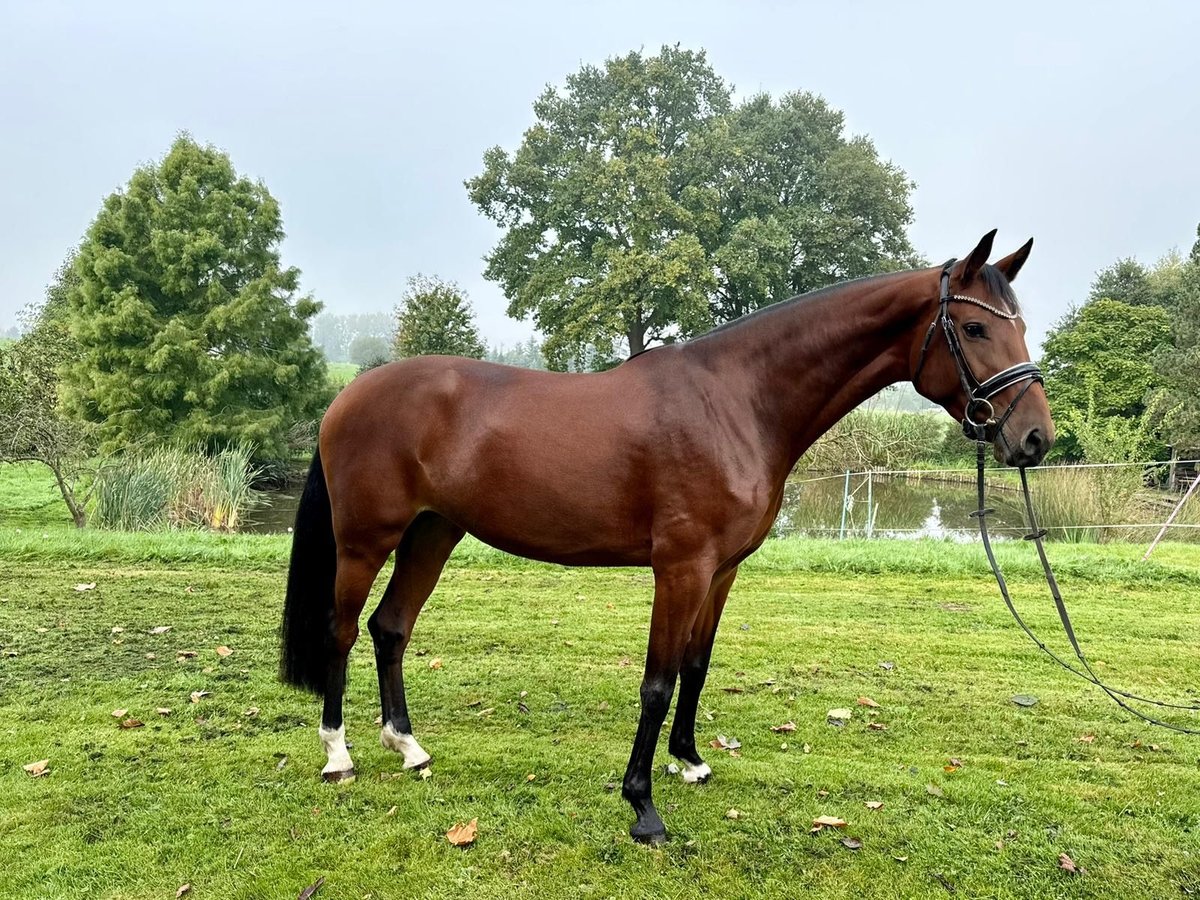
<point>543,464</point>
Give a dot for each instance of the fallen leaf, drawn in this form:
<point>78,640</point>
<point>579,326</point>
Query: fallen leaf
<point>733,814</point>
<point>224,651</point>
<point>311,889</point>
<point>38,769</point>
<point>838,717</point>
<point>163,711</point>
<point>934,790</point>
<point>1065,862</point>
<point>279,765</point>
<point>120,713</point>
<point>625,661</point>
<point>197,696</point>
<point>725,743</point>
<point>185,654</point>
<point>785,727</point>
<point>379,720</point>
<point>483,713</point>
<point>426,773</point>
<point>867,701</point>
<point>530,777</point>
<point>435,663</point>
<point>132,723</point>
<point>852,843</point>
<point>90,586</point>
<point>808,748</point>
<point>877,726</point>
<point>950,769</point>
<point>1025,700</point>
<point>463,835</point>
<point>117,629</point>
<point>183,889</point>
<point>392,811</point>
<point>151,656</point>
<point>161,629</point>
<point>900,859</point>
<point>822,793</point>
<point>251,712</point>
<point>733,690</point>
<point>1085,738</point>
<point>827,822</point>
<point>887,667</point>
<point>874,804</point>
<point>955,761</point>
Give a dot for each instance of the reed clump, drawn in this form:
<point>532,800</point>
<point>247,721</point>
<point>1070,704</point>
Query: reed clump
<point>176,487</point>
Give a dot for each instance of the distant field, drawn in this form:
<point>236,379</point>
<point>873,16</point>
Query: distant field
<point>341,373</point>
<point>224,794</point>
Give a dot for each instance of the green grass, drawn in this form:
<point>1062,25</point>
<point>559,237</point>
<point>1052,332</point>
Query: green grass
<point>29,497</point>
<point>232,803</point>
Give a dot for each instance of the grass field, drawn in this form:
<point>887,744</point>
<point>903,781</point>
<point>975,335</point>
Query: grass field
<point>539,674</point>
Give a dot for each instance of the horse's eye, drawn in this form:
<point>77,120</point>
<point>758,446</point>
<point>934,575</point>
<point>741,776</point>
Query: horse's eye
<point>975,330</point>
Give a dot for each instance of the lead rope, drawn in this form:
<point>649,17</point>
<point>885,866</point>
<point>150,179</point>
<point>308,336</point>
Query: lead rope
<point>1036,534</point>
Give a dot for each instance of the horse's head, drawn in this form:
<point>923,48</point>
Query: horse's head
<point>972,360</point>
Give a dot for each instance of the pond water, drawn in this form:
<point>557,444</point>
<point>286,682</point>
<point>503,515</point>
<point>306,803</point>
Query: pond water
<point>899,508</point>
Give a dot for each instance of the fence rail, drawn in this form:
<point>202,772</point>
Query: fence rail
<point>859,485</point>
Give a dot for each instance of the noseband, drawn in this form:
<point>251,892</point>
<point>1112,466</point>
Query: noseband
<point>978,393</point>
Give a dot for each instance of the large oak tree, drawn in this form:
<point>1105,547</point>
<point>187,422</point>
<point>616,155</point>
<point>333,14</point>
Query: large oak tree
<point>642,206</point>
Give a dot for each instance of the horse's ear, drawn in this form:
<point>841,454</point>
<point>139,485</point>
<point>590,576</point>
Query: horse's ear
<point>1011,264</point>
<point>978,256</point>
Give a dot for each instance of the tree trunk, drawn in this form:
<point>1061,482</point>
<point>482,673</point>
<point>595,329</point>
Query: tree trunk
<point>78,513</point>
<point>637,340</point>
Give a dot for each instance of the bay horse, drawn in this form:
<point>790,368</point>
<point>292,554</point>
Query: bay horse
<point>675,459</point>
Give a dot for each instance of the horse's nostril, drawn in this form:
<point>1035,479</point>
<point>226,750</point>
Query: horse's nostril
<point>1034,441</point>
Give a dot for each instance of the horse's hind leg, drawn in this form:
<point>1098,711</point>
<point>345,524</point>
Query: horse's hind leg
<point>427,544</point>
<point>356,571</point>
<point>692,673</point>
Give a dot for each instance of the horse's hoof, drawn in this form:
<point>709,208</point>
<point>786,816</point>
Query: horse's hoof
<point>696,773</point>
<point>346,777</point>
<point>417,764</point>
<point>650,837</point>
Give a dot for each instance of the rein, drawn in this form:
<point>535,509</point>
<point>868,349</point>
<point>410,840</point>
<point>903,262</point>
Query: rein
<point>1086,672</point>
<point>979,396</point>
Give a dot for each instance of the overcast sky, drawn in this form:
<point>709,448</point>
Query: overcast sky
<point>1075,123</point>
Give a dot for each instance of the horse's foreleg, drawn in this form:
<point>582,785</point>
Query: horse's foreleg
<point>427,544</point>
<point>679,592</point>
<point>692,673</point>
<point>355,574</point>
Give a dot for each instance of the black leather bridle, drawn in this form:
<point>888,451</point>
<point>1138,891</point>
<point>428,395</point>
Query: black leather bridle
<point>979,396</point>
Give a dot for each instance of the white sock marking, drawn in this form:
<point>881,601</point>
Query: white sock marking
<point>334,742</point>
<point>406,744</point>
<point>695,774</point>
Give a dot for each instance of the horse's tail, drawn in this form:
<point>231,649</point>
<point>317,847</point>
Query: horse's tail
<point>306,634</point>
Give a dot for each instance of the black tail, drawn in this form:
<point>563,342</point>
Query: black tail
<point>308,610</point>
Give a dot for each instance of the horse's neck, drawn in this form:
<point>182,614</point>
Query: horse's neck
<point>810,362</point>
